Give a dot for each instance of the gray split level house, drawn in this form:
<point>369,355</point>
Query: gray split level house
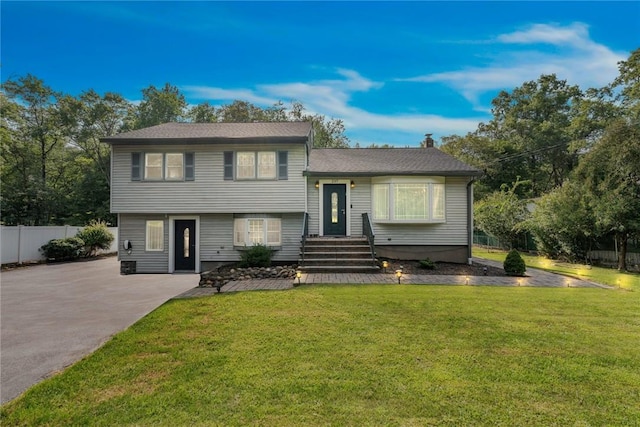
<point>191,196</point>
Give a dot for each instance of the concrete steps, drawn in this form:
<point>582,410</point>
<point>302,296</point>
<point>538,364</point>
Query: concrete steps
<point>338,255</point>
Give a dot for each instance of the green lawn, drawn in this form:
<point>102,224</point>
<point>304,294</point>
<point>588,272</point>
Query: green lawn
<point>360,355</point>
<point>607,276</point>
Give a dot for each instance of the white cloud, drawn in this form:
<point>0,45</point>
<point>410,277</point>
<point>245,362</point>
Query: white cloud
<point>575,58</point>
<point>332,98</point>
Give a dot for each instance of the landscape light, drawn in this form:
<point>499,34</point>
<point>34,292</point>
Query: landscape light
<point>399,275</point>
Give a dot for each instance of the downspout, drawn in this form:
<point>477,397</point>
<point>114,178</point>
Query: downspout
<point>470,220</point>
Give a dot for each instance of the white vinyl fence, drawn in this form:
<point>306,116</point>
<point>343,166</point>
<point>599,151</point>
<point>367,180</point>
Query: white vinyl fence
<point>22,243</point>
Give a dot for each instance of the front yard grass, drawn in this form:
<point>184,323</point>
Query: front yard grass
<point>360,355</point>
<point>607,276</point>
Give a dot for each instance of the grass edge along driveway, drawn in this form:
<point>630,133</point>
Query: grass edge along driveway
<point>360,355</point>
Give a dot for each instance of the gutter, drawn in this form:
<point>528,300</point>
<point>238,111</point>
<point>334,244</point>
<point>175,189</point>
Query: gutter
<point>470,220</point>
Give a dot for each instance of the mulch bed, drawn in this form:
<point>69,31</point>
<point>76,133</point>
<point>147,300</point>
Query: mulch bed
<point>443,268</point>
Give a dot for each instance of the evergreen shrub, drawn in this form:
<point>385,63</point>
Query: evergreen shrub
<point>256,256</point>
<point>514,264</point>
<point>63,249</point>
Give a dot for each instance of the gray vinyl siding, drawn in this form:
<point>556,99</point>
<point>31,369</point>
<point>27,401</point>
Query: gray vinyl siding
<point>133,228</point>
<point>216,237</point>
<point>313,206</point>
<point>291,236</point>
<point>452,232</point>
<point>209,192</point>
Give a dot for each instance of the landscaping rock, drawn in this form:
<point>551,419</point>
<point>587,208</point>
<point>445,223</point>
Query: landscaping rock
<point>222,276</point>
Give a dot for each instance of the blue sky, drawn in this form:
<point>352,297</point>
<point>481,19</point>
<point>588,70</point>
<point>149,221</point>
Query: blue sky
<point>391,71</point>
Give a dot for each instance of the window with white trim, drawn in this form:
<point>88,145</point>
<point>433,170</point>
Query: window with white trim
<point>408,200</point>
<point>153,166</point>
<point>254,231</point>
<point>256,165</point>
<point>162,166</point>
<point>154,235</point>
<point>174,166</point>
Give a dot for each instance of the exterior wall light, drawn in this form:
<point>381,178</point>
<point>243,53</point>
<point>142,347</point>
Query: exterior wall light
<point>317,184</point>
<point>353,184</point>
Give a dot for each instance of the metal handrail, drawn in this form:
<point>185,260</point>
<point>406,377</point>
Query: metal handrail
<point>305,233</point>
<point>367,231</point>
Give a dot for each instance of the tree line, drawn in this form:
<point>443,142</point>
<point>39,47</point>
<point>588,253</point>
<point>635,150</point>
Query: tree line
<point>573,155</point>
<point>55,170</point>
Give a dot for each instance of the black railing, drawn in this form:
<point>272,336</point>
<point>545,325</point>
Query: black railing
<point>367,231</point>
<point>305,233</point>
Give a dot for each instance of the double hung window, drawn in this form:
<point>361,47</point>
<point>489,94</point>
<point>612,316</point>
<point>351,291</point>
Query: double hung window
<point>162,166</point>
<point>256,165</point>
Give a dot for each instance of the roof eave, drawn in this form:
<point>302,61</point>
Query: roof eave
<point>207,140</point>
<point>393,173</point>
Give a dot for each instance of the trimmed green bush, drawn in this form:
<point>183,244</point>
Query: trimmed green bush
<point>63,249</point>
<point>96,236</point>
<point>427,264</point>
<point>256,256</point>
<point>514,264</point>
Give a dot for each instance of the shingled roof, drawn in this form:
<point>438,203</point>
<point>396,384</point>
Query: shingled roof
<point>216,132</point>
<point>386,161</point>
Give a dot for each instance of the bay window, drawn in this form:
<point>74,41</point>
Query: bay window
<point>403,199</point>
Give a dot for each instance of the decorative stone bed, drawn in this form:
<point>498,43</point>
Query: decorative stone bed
<point>222,276</point>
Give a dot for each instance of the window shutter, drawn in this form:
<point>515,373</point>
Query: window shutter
<point>136,166</point>
<point>189,167</point>
<point>283,164</point>
<point>228,165</point>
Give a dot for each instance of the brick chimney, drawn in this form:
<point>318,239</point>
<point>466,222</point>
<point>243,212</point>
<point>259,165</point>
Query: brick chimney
<point>428,141</point>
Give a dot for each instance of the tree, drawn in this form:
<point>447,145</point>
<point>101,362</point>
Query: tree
<point>32,126</point>
<point>91,117</point>
<point>628,84</point>
<point>502,214</point>
<point>563,224</point>
<point>159,106</point>
<point>610,173</point>
<point>203,113</point>
<point>499,159</point>
<point>536,118</point>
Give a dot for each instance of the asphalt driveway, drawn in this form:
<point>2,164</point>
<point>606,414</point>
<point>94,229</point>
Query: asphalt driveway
<point>53,315</point>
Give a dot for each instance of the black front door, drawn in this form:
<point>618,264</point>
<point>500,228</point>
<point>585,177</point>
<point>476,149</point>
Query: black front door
<point>185,241</point>
<point>335,209</point>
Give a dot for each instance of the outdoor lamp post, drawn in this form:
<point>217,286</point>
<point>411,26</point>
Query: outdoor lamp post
<point>385,265</point>
<point>298,275</point>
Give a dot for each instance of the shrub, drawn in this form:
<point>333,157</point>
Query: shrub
<point>514,264</point>
<point>63,249</point>
<point>427,264</point>
<point>256,256</point>
<point>96,236</point>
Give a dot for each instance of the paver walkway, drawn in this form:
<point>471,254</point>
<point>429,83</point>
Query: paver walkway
<point>535,278</point>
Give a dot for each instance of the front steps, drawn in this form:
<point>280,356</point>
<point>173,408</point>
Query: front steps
<point>337,255</point>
